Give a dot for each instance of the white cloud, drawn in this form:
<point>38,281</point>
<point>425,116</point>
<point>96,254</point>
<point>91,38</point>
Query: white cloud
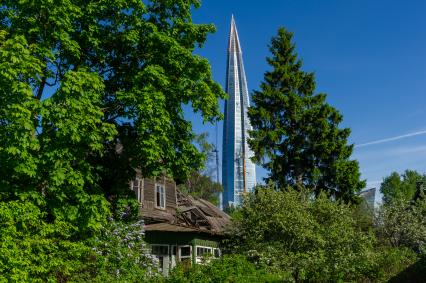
<point>392,139</point>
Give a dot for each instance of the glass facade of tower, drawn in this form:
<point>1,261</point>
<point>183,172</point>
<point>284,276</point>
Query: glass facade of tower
<point>238,171</point>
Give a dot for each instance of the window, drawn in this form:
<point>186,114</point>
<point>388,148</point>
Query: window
<point>160,197</point>
<point>203,254</point>
<point>201,251</point>
<point>184,251</point>
<point>160,250</point>
<point>137,188</point>
<point>216,252</point>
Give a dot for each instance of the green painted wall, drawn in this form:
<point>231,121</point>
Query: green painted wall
<point>180,239</point>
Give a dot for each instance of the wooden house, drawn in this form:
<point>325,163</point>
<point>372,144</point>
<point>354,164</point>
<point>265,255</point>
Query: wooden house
<point>179,228</point>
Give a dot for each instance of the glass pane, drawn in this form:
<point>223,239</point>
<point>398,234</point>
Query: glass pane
<point>158,199</point>
<point>185,251</point>
<point>199,251</point>
<point>160,250</point>
<point>203,251</point>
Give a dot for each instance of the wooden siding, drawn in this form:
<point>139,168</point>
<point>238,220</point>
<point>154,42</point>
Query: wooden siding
<point>194,212</point>
<point>148,206</point>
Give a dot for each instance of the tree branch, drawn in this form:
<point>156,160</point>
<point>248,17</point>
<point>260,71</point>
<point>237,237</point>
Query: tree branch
<point>41,88</point>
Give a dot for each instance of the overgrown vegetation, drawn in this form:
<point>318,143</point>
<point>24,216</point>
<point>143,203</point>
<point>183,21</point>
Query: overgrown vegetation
<point>290,236</point>
<point>320,240</point>
<point>87,95</point>
<point>313,240</point>
<point>229,268</point>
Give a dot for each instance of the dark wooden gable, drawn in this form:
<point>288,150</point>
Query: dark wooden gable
<point>149,210</point>
<point>195,213</point>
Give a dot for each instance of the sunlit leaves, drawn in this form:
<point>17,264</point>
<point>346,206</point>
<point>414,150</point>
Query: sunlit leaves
<point>312,239</point>
<point>78,80</point>
<point>401,187</point>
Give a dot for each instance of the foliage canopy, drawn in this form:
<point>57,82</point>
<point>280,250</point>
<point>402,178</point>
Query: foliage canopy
<point>90,90</point>
<point>401,187</point>
<point>295,132</point>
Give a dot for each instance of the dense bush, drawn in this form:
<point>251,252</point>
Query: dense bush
<point>390,262</point>
<point>119,254</point>
<point>403,224</point>
<point>230,268</point>
<point>311,239</point>
<point>31,249</point>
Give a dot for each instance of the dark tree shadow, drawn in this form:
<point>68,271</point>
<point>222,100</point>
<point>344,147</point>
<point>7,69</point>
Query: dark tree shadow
<point>415,273</point>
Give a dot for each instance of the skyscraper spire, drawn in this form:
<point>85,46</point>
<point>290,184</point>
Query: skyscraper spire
<point>238,171</point>
<point>234,41</point>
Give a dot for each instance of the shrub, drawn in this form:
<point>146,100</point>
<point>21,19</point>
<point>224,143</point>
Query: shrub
<point>31,249</point>
<point>403,224</point>
<point>391,262</point>
<point>312,239</point>
<point>119,254</point>
<point>229,268</point>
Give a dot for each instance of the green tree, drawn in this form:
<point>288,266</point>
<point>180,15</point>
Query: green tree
<point>86,76</point>
<point>295,132</point>
<point>396,187</point>
<point>90,90</point>
<point>403,224</point>
<point>315,240</point>
<point>202,186</point>
<point>200,182</point>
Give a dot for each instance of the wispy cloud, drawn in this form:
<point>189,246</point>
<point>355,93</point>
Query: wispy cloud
<point>392,139</point>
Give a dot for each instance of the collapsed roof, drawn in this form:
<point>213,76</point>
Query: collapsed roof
<point>192,215</point>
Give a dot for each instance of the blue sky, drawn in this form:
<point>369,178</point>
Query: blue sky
<point>368,56</point>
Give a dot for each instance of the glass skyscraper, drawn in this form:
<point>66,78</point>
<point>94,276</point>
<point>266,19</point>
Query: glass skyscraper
<point>238,171</point>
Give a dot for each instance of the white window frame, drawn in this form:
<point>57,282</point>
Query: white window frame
<point>162,194</point>
<point>161,257</point>
<point>203,247</point>
<point>199,258</point>
<point>137,187</point>
<point>185,256</point>
<point>160,245</point>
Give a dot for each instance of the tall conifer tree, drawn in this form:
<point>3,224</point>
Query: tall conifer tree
<point>296,134</point>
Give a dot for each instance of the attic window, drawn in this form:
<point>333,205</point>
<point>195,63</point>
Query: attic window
<point>137,188</point>
<point>160,197</point>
